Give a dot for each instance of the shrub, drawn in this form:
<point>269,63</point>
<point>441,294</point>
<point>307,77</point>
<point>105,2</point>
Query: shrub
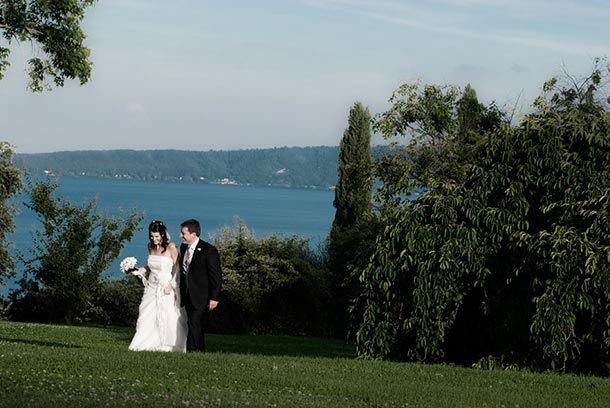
<point>72,245</point>
<point>270,285</point>
<point>116,302</point>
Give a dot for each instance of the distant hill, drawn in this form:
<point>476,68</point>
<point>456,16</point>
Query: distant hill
<point>295,167</point>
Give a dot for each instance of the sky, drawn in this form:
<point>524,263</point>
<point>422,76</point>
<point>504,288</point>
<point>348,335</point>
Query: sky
<point>241,74</point>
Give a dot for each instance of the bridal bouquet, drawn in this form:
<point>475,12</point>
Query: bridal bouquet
<point>128,264</point>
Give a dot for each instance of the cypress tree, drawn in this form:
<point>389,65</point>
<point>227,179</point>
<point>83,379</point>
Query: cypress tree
<point>354,186</point>
<point>352,229</point>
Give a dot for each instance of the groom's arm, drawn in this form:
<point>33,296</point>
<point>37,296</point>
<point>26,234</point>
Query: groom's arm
<point>214,276</point>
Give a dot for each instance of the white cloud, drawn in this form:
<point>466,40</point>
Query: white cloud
<point>559,20</point>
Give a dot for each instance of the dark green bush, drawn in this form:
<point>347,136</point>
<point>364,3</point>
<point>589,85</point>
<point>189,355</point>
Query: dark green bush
<point>116,302</point>
<point>270,285</point>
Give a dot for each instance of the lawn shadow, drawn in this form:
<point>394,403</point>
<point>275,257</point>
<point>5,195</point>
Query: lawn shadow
<point>39,343</point>
<point>122,334</point>
<point>291,346</point>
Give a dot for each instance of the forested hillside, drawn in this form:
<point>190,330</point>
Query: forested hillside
<point>297,167</point>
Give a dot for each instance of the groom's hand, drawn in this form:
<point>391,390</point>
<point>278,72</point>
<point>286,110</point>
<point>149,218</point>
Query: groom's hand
<point>213,304</point>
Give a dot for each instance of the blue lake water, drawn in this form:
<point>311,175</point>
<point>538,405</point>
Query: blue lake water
<point>265,210</point>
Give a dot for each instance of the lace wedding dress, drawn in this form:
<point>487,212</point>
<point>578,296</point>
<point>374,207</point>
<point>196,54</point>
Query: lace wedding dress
<point>161,324</point>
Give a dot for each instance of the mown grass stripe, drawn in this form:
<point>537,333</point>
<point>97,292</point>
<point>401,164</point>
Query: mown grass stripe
<point>69,366</point>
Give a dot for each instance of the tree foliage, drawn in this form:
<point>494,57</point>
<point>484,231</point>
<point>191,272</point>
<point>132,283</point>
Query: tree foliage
<point>507,258</point>
<point>353,228</point>
<point>443,129</point>
<point>71,249</point>
<point>443,126</point>
<point>115,302</point>
<point>10,186</point>
<point>272,285</point>
<point>53,29</point>
<point>354,178</point>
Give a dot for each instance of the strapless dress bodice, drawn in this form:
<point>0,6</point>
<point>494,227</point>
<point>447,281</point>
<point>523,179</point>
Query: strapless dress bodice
<point>160,268</point>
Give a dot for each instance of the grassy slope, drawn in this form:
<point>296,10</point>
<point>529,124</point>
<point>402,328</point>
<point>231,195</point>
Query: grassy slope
<point>43,365</point>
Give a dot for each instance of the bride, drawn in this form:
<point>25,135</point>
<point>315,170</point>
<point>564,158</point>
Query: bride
<point>161,324</point>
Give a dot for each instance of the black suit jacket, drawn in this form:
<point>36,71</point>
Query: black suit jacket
<point>202,282</point>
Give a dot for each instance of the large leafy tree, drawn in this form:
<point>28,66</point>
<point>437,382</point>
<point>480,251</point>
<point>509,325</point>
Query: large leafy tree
<point>10,186</point>
<point>74,245</point>
<point>53,29</point>
<point>444,127</point>
<point>508,259</point>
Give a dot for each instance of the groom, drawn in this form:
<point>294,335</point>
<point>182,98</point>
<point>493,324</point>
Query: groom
<point>200,281</point>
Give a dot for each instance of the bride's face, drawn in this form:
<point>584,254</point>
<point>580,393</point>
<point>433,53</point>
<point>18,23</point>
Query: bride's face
<point>155,238</point>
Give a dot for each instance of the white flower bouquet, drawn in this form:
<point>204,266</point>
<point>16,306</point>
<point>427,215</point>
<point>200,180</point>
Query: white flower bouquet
<point>128,264</point>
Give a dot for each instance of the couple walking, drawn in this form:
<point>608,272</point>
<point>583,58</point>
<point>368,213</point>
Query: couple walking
<point>188,280</point>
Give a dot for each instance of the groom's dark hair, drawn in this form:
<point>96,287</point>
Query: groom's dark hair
<point>192,225</point>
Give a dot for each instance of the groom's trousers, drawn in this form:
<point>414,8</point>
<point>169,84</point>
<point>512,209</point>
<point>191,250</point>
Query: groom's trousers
<point>197,320</point>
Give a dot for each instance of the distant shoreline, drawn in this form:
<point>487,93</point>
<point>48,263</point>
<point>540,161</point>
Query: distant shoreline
<point>297,167</point>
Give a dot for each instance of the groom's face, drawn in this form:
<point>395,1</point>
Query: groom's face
<point>187,236</point>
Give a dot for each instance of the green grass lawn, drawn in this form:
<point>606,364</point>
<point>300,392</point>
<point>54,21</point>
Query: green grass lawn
<point>64,366</point>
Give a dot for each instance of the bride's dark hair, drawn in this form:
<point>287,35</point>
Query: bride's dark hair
<point>158,226</point>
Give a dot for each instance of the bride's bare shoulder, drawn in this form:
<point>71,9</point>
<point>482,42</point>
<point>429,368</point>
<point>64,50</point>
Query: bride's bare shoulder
<point>173,249</point>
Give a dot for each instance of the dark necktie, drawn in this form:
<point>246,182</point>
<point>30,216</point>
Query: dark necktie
<point>186,262</point>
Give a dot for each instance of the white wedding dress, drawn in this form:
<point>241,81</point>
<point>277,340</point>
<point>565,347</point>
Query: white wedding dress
<point>161,324</point>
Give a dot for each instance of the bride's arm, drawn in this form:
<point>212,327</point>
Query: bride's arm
<point>142,270</point>
<point>173,282</point>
